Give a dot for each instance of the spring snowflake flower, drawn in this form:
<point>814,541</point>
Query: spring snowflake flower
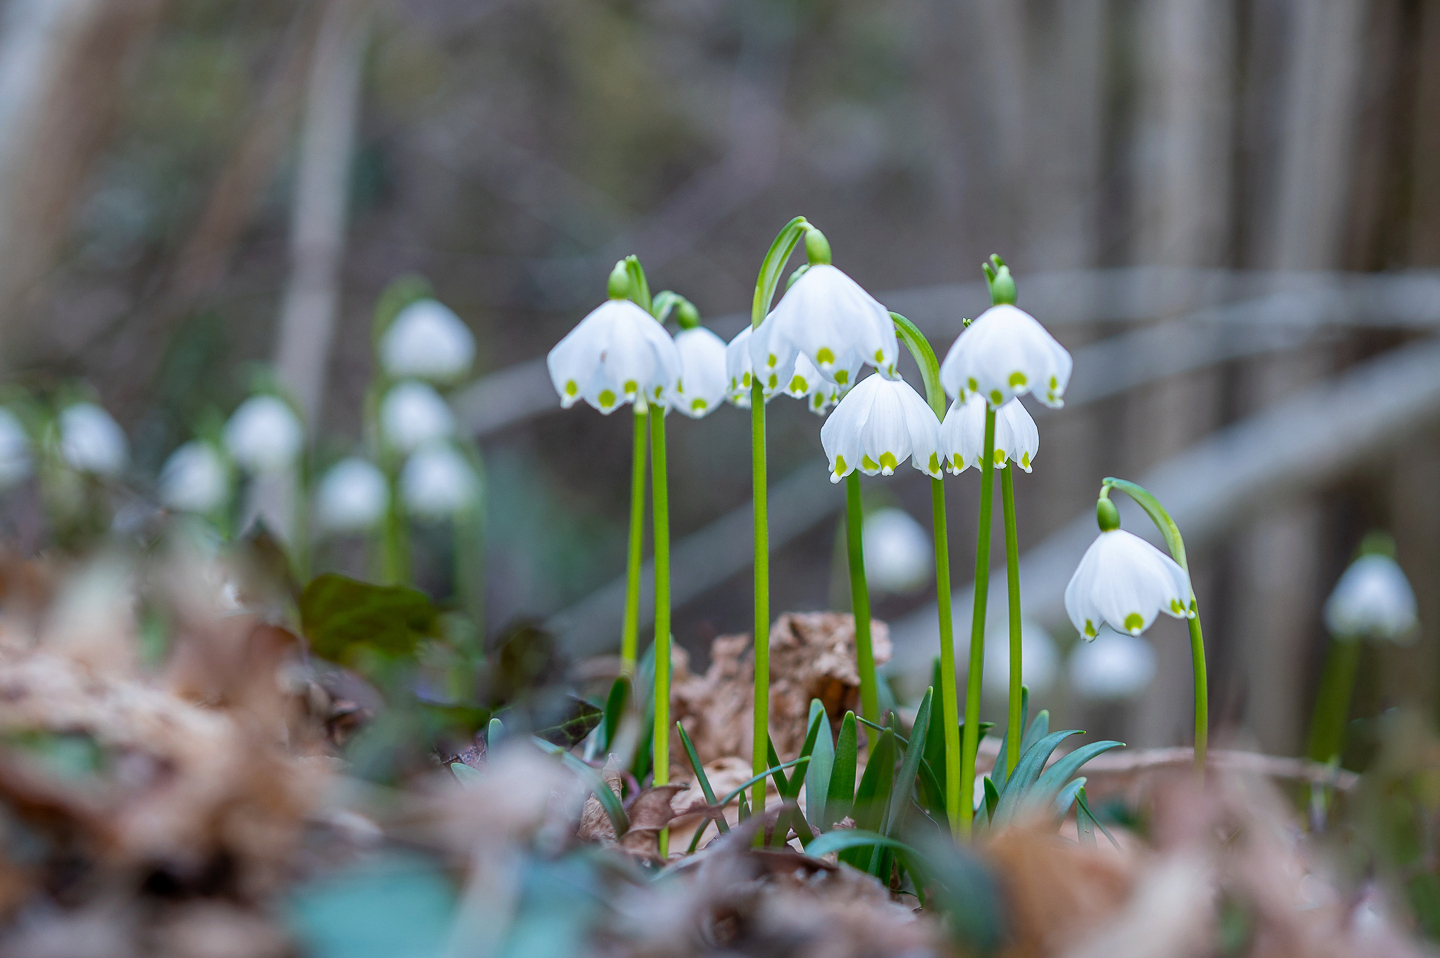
<point>804,382</point>
<point>962,435</point>
<point>899,557</point>
<point>427,340</point>
<point>1126,582</point>
<point>1003,354</point>
<point>264,435</point>
<point>617,354</point>
<point>878,425</point>
<point>701,387</point>
<point>827,318</point>
<point>1372,600</point>
<point>1114,667</point>
<point>352,497</point>
<point>195,478</point>
<point>16,460</point>
<point>412,414</point>
<point>437,481</point>
<point>91,441</point>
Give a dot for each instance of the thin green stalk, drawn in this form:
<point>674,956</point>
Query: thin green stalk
<point>971,742</point>
<point>1202,692</point>
<point>395,538</point>
<point>661,520</point>
<point>629,637</point>
<point>860,600</point>
<point>762,593</point>
<point>300,521</point>
<point>1012,580</point>
<point>950,707</point>
<point>1332,705</point>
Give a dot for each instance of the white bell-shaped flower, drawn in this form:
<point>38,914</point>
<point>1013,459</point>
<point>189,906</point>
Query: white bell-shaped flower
<point>412,414</point>
<point>1003,354</point>
<point>1124,581</point>
<point>16,459</point>
<point>428,341</point>
<point>195,478</point>
<point>830,320</point>
<point>264,435</point>
<point>91,441</point>
<point>899,557</point>
<point>877,426</point>
<point>1039,657</point>
<point>437,481</point>
<point>1372,600</point>
<point>352,496</point>
<point>619,353</point>
<point>702,387</point>
<point>1114,667</point>
<point>962,435</point>
<point>803,380</point>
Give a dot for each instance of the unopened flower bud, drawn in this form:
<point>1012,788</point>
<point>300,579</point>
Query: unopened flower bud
<point>1107,515</point>
<point>1002,284</point>
<point>619,286</point>
<point>817,248</point>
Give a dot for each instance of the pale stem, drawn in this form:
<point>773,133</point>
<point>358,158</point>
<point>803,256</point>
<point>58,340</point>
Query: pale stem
<point>1332,705</point>
<point>949,705</point>
<point>977,631</point>
<point>1012,580</point>
<point>1202,694</point>
<point>629,637</point>
<point>762,596</point>
<point>661,521</point>
<point>860,600</point>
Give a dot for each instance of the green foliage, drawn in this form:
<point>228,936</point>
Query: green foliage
<point>840,791</point>
<point>343,617</point>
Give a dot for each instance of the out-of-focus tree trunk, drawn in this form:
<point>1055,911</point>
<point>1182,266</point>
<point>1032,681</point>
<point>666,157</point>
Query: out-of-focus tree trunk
<point>61,67</point>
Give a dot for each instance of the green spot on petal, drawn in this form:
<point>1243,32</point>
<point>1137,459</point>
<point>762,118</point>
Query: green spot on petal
<point>1134,622</point>
<point>1017,379</point>
<point>995,397</point>
<point>999,457</point>
<point>631,387</point>
<point>1025,460</point>
<point>868,463</point>
<point>823,356</point>
<point>1054,383</point>
<point>840,466</point>
<point>842,376</point>
<point>888,461</point>
<point>799,385</point>
<point>935,462</point>
<point>746,381</point>
<point>774,380</point>
<point>974,386</point>
<point>570,388</point>
<point>772,361</point>
<point>959,462</point>
<point>1090,628</point>
<point>879,356</point>
<point>607,398</point>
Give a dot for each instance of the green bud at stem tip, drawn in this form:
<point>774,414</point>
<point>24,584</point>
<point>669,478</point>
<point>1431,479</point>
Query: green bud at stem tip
<point>1107,515</point>
<point>1002,284</point>
<point>687,315</point>
<point>619,285</point>
<point>817,248</point>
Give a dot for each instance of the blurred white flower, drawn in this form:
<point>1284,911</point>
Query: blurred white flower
<point>352,496</point>
<point>1124,581</point>
<point>1039,657</point>
<point>828,318</point>
<point>195,478</point>
<point>437,481</point>
<point>1372,600</point>
<point>1113,667</point>
<point>264,435</point>
<point>962,435</point>
<point>804,382</point>
<point>16,460</point>
<point>700,388</point>
<point>427,340</point>
<point>899,557</point>
<point>618,353</point>
<point>1003,354</point>
<point>412,414</point>
<point>877,426</point>
<point>91,441</point>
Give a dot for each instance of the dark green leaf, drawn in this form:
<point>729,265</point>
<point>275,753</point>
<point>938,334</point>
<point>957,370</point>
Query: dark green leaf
<point>1002,764</point>
<point>597,785</point>
<point>578,721</point>
<point>614,711</point>
<point>909,767</point>
<point>1082,804</point>
<point>873,792</point>
<point>340,614</point>
<point>841,796</point>
<point>700,775</point>
<point>822,760</point>
<point>845,839</point>
<point>1066,797</point>
<point>1026,772</point>
<point>1054,778</point>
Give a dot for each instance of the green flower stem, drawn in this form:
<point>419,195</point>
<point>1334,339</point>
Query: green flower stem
<point>1202,692</point>
<point>629,636</point>
<point>661,520</point>
<point>971,743</point>
<point>300,523</point>
<point>949,705</point>
<point>1012,580</point>
<point>1332,705</point>
<point>860,600</point>
<point>762,596</point>
<point>395,537</point>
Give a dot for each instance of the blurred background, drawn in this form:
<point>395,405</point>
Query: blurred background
<point>1228,210</point>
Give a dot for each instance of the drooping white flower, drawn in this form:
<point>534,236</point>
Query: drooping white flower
<point>617,354</point>
<point>962,435</point>
<point>352,496</point>
<point>412,414</point>
<point>1125,582</point>
<point>428,341</point>
<point>1372,600</point>
<point>830,320</point>
<point>16,459</point>
<point>1115,666</point>
<point>804,380</point>
<point>701,387</point>
<point>877,426</point>
<point>1003,354</point>
<point>264,435</point>
<point>1039,657</point>
<point>437,481</point>
<point>899,558</point>
<point>195,478</point>
<point>92,441</point>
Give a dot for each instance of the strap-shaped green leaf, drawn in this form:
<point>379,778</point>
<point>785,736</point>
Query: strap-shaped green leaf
<point>873,792</point>
<point>909,767</point>
<point>740,789</point>
<point>840,798</point>
<point>700,776</point>
<point>822,760</point>
<point>997,774</point>
<point>919,347</point>
<point>1084,821</point>
<point>614,711</point>
<point>1053,779</point>
<point>1027,770</point>
<point>774,265</point>
<point>608,799</point>
<point>849,838</point>
<point>992,799</point>
<point>1157,514</point>
<point>1082,804</point>
<point>1066,798</point>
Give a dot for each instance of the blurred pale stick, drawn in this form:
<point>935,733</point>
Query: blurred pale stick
<point>710,555</point>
